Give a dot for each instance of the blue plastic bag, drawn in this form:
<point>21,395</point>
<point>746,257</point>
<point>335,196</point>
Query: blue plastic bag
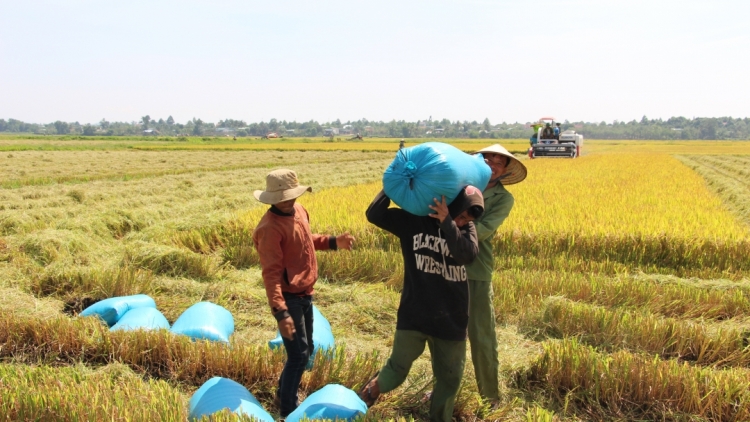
<point>141,318</point>
<point>330,402</point>
<point>322,336</point>
<point>112,309</point>
<point>430,170</point>
<point>205,321</point>
<point>219,393</point>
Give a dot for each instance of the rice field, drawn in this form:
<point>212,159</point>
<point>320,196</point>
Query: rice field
<point>621,282</point>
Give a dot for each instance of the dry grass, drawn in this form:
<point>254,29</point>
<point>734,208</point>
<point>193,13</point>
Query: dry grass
<point>28,168</point>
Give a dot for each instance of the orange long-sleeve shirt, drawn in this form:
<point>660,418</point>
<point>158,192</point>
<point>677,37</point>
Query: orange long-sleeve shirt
<point>286,247</point>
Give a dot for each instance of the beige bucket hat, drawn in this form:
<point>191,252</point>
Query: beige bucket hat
<point>515,172</point>
<point>281,185</point>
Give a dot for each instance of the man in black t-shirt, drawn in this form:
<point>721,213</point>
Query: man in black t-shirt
<point>434,307</point>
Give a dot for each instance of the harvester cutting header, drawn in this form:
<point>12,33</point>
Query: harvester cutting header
<point>549,140</point>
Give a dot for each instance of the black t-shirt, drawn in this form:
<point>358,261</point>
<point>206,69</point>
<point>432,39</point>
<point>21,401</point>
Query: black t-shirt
<point>435,298</point>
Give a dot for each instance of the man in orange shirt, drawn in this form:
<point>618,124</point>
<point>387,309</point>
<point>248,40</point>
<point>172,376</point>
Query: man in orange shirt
<point>286,247</point>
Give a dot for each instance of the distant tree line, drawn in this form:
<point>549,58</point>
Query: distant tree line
<point>675,128</point>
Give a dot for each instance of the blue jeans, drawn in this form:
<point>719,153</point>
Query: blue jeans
<point>298,351</point>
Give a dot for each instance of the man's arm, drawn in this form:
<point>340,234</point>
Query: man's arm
<point>268,244</point>
<point>491,219</point>
<point>463,246</point>
<point>389,219</point>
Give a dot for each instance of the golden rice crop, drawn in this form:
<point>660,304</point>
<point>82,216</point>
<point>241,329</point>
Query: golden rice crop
<point>727,175</point>
<point>594,213</point>
<point>521,291</point>
<point>79,394</point>
<point>634,386</point>
<point>669,338</point>
<point>644,210</point>
<point>623,194</point>
<point>595,208</point>
<point>602,196</point>
<point>666,147</point>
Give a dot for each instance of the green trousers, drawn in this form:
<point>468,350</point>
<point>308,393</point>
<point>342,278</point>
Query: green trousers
<point>448,360</point>
<point>483,339</point>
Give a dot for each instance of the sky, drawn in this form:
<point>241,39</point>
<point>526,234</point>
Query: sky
<point>505,60</point>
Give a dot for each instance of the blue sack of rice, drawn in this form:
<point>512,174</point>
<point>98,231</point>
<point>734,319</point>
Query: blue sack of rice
<point>205,321</point>
<point>222,393</point>
<point>141,319</point>
<point>333,401</point>
<point>322,336</point>
<point>112,309</point>
<point>431,170</point>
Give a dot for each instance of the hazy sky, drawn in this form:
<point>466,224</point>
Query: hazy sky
<point>506,60</point>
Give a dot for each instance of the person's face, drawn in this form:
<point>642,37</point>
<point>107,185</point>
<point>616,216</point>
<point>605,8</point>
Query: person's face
<point>286,206</point>
<point>463,218</point>
<point>497,163</point>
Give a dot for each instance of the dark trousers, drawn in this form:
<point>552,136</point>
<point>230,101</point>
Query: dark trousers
<point>298,350</point>
<point>448,359</point>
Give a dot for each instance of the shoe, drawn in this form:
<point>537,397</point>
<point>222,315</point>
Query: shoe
<point>277,403</point>
<point>370,392</point>
<point>427,397</point>
<point>494,404</point>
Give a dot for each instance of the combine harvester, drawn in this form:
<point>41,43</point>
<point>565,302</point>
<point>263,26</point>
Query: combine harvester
<point>544,143</point>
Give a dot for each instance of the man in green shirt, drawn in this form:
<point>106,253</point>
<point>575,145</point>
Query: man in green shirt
<point>506,170</point>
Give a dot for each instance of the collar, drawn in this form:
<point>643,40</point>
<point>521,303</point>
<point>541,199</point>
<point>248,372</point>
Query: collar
<point>277,211</point>
<point>498,188</point>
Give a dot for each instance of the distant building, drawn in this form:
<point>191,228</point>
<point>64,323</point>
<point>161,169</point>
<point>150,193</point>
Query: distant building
<point>150,132</point>
<point>347,129</point>
<point>331,131</point>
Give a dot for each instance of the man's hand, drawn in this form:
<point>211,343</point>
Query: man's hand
<point>286,328</point>
<point>344,241</point>
<point>440,208</point>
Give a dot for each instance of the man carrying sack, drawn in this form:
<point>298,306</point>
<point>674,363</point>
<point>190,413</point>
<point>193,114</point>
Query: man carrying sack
<point>434,307</point>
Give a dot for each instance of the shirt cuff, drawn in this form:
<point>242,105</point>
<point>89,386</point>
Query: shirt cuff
<point>282,315</point>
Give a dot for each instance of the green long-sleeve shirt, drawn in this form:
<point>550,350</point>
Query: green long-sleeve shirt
<point>497,205</point>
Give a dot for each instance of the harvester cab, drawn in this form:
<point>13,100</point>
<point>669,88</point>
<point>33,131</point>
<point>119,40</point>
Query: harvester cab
<point>549,140</point>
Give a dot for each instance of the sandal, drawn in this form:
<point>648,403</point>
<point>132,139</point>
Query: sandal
<point>370,391</point>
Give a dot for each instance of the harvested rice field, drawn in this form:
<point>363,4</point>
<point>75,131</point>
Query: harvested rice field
<point>622,279</point>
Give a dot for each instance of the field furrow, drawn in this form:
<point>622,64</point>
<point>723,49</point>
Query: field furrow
<point>728,176</point>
